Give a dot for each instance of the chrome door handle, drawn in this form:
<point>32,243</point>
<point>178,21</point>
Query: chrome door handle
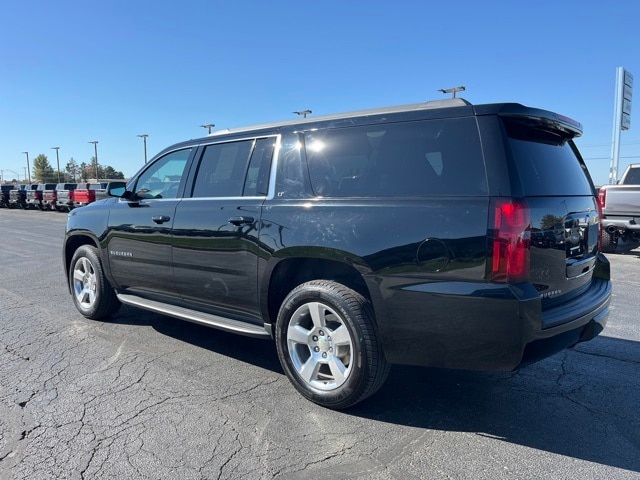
<point>160,219</point>
<point>237,221</point>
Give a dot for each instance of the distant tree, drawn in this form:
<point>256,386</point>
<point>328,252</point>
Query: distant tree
<point>42,171</point>
<point>73,169</point>
<point>549,221</point>
<point>89,169</point>
<point>83,170</point>
<point>111,173</point>
<point>104,171</point>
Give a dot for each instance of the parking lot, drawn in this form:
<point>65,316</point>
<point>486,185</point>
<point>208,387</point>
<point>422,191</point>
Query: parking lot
<point>147,396</point>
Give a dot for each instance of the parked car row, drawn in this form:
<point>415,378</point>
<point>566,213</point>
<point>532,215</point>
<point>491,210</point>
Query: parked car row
<point>51,196</point>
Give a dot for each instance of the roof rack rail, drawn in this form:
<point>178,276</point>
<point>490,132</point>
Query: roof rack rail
<point>446,103</point>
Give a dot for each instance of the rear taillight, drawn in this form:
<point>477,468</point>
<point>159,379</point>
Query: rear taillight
<point>602,199</point>
<point>510,241</point>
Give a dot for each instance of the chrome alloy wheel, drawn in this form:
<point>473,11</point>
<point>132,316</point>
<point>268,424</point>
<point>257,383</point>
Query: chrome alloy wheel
<point>84,283</point>
<point>320,346</point>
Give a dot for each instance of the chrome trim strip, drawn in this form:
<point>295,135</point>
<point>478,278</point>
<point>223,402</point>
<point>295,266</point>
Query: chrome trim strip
<point>194,316</point>
<point>190,199</point>
<point>274,168</point>
<point>232,140</point>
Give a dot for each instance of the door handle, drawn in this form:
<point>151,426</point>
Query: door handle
<point>159,219</point>
<point>237,221</point>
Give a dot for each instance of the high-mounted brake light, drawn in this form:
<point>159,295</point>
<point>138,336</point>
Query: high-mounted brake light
<point>510,241</point>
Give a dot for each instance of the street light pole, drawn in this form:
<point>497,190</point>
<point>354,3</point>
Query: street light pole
<point>453,90</point>
<point>28,168</point>
<point>57,160</point>
<point>209,126</point>
<point>144,139</point>
<point>303,113</point>
<point>95,148</point>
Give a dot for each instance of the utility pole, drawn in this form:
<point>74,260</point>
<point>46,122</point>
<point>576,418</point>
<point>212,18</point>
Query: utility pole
<point>303,113</point>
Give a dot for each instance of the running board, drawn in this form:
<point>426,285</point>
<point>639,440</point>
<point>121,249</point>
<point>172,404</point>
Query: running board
<point>194,316</point>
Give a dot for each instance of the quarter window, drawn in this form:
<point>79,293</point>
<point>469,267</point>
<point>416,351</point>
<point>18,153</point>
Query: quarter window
<point>422,158</point>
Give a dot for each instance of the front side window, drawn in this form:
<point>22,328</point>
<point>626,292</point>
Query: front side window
<point>162,179</point>
<point>421,158</point>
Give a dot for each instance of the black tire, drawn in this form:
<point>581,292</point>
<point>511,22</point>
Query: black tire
<point>333,372</point>
<point>92,293</point>
<point>609,242</point>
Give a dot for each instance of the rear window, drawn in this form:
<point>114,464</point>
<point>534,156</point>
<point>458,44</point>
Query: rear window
<point>633,176</point>
<point>423,158</point>
<point>546,161</point>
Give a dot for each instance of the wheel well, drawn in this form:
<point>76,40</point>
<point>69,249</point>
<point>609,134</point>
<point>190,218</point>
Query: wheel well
<point>290,273</point>
<point>73,243</point>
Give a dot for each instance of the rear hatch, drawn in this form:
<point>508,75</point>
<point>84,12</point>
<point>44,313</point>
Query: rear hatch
<point>558,192</point>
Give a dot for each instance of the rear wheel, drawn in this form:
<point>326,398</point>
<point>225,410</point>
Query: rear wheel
<point>327,344</point>
<point>609,242</point>
<point>92,294</point>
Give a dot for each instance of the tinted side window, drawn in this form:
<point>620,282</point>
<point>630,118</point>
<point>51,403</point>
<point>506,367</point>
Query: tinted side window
<point>431,157</point>
<point>257,180</point>
<point>162,178</point>
<point>222,170</point>
<point>546,162</point>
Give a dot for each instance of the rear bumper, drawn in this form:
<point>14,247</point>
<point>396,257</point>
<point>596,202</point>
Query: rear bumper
<point>628,223</point>
<point>484,326</point>
<point>545,347</point>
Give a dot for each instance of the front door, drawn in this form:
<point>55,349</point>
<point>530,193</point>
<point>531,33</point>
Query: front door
<point>139,238</point>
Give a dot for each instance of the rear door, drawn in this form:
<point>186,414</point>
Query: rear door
<point>564,215</point>
<point>215,232</point>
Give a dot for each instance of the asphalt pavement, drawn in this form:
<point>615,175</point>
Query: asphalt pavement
<point>145,396</point>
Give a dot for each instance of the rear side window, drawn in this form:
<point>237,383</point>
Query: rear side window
<point>234,169</point>
<point>222,170</point>
<point>547,163</point>
<point>423,158</point>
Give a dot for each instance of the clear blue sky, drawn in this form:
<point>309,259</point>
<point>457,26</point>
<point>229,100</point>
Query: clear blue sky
<point>76,71</point>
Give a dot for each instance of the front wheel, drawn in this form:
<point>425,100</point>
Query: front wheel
<point>92,294</point>
<point>327,344</point>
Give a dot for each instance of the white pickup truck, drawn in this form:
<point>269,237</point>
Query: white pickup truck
<point>621,209</point>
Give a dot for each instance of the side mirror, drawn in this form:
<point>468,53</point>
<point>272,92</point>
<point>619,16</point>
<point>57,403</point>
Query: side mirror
<point>117,189</point>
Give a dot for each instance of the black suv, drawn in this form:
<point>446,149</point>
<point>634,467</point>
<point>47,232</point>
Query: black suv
<point>441,234</point>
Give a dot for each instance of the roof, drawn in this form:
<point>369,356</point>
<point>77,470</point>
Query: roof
<point>447,103</point>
